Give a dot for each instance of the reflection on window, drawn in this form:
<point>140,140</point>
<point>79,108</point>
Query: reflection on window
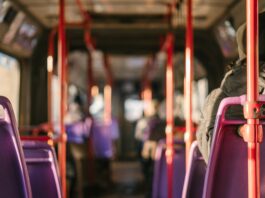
<point>26,36</point>
<point>226,37</point>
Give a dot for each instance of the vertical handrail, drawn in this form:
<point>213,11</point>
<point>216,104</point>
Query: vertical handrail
<point>169,112</point>
<point>107,103</point>
<point>189,135</point>
<point>90,77</point>
<point>253,130</point>
<point>50,61</point>
<point>62,75</point>
<point>107,92</point>
<point>169,47</point>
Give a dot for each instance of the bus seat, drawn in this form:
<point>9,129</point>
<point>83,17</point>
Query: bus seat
<point>14,182</point>
<point>43,169</point>
<point>194,179</point>
<point>101,140</point>
<point>159,188</point>
<point>227,171</point>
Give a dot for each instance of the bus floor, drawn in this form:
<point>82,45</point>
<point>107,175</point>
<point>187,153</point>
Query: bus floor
<point>127,181</point>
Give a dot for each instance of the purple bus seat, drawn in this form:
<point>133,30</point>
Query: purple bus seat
<point>43,169</point>
<point>227,171</point>
<point>14,180</point>
<point>101,140</point>
<point>194,179</point>
<point>159,189</point>
<point>29,144</point>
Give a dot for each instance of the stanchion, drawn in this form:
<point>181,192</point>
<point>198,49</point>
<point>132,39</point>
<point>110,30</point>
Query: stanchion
<point>63,101</point>
<point>252,130</point>
<point>189,135</point>
<point>169,113</point>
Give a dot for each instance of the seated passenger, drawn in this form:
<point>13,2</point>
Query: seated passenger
<point>233,84</point>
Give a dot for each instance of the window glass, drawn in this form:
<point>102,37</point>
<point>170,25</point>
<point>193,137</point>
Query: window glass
<point>226,37</point>
<point>10,80</point>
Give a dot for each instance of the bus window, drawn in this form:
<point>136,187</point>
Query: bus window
<point>26,37</point>
<point>10,80</point>
<point>226,37</point>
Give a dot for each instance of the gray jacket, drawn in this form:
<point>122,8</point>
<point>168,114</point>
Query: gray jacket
<point>233,84</point>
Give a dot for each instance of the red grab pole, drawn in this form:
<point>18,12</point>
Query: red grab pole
<point>49,74</point>
<point>169,112</point>
<point>189,135</point>
<point>107,92</point>
<point>90,78</point>
<point>253,130</point>
<point>62,75</point>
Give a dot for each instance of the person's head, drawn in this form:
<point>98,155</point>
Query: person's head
<point>241,39</point>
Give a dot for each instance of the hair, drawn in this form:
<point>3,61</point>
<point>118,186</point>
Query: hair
<point>261,37</point>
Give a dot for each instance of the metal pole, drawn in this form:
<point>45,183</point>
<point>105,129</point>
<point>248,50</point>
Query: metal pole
<point>107,103</point>
<point>62,75</point>
<point>252,133</point>
<point>107,92</point>
<point>49,74</point>
<point>169,113</point>
<point>189,135</point>
<point>90,78</point>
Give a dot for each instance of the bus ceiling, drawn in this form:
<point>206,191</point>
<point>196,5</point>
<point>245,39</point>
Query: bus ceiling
<point>140,14</point>
<point>116,22</point>
<point>116,27</point>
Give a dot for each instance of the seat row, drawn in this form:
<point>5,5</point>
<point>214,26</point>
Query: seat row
<point>27,168</point>
<point>225,175</point>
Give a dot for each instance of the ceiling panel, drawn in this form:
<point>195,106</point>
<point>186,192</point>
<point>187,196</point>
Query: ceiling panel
<point>48,15</point>
<point>205,11</point>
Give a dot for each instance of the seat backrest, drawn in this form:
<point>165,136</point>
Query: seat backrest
<point>101,140</point>
<point>14,181</point>
<point>43,169</point>
<point>227,171</point>
<point>159,188</point>
<point>194,178</point>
